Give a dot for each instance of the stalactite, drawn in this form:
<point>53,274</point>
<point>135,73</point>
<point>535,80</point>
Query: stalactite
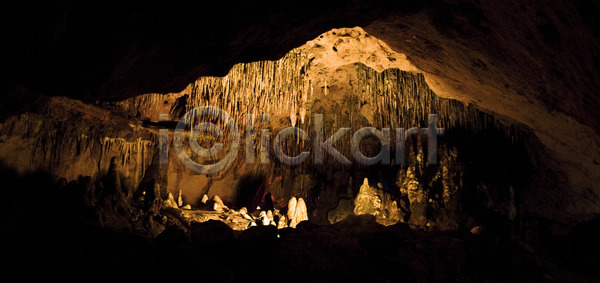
<point>404,100</point>
<point>285,88</point>
<point>134,155</point>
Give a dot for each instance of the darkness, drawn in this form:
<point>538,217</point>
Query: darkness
<point>46,239</point>
<point>145,46</point>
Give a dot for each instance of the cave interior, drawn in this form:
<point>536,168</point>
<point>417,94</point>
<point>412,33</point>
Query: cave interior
<point>301,141</point>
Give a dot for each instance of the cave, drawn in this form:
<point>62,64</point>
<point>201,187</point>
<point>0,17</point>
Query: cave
<point>301,141</point>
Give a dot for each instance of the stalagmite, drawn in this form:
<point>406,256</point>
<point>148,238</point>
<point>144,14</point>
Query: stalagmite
<point>291,208</point>
<point>376,202</point>
<point>170,201</point>
<point>263,218</point>
<point>218,204</point>
<point>244,212</point>
<point>179,198</point>
<point>204,199</point>
<point>367,201</point>
<point>282,223</point>
<point>300,213</point>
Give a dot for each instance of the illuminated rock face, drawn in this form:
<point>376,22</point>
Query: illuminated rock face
<point>70,139</point>
<point>534,63</point>
<point>299,213</point>
<point>348,76</point>
<point>351,77</point>
<point>540,75</point>
<point>320,77</point>
<point>377,203</point>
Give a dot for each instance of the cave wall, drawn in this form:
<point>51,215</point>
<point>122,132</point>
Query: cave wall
<point>349,76</point>
<point>68,139</point>
<point>532,63</point>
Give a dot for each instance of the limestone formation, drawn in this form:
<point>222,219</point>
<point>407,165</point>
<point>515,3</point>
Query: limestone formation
<point>376,202</point>
<point>204,199</point>
<point>384,94</point>
<point>414,191</point>
<point>170,201</point>
<point>263,218</point>
<point>282,223</point>
<point>300,213</point>
<point>411,187</point>
<point>248,216</point>
<point>179,198</point>
<point>291,208</point>
<point>218,204</point>
<point>266,218</point>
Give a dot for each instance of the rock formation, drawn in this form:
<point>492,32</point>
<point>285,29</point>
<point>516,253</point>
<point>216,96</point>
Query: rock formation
<point>282,223</point>
<point>311,79</point>
<point>375,202</point>
<point>170,201</point>
<point>179,198</point>
<point>291,208</point>
<point>300,213</point>
<point>508,88</point>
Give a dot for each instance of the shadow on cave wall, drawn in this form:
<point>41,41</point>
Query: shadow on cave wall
<point>247,190</point>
